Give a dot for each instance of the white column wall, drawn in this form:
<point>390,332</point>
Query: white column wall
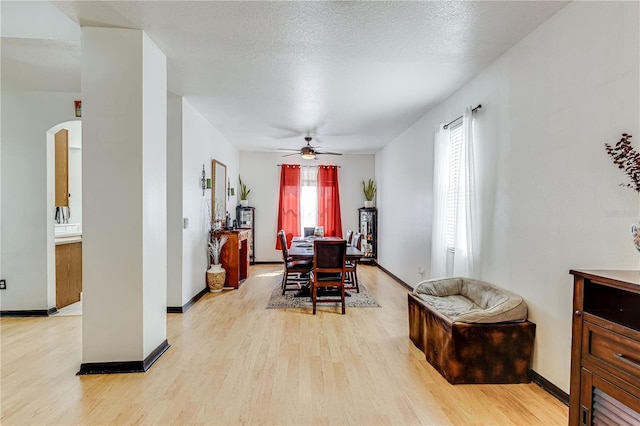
<point>174,201</point>
<point>260,172</point>
<point>124,235</point>
<point>154,187</point>
<point>551,200</point>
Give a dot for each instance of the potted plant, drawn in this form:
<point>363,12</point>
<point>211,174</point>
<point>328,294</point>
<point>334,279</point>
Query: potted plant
<point>369,190</point>
<point>216,274</point>
<point>244,193</point>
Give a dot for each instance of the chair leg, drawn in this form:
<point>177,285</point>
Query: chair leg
<point>355,279</point>
<point>284,282</point>
<point>342,297</point>
<point>314,296</point>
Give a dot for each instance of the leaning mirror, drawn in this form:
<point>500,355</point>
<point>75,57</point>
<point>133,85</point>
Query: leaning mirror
<point>218,193</point>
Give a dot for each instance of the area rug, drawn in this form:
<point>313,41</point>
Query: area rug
<point>364,299</point>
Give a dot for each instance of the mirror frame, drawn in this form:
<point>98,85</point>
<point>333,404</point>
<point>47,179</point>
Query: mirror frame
<point>218,187</point>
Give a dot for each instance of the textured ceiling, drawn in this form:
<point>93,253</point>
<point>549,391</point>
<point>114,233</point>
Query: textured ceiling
<point>356,74</point>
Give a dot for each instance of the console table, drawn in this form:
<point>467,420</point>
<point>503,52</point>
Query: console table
<point>234,257</point>
<point>605,347</point>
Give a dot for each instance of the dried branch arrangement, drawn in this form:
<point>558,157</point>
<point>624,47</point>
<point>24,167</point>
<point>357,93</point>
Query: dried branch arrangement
<point>215,246</point>
<point>626,158</point>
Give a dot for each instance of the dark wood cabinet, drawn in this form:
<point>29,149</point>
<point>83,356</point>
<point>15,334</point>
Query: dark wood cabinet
<point>68,274</point>
<point>245,218</point>
<point>368,227</point>
<point>605,348</point>
<point>234,257</point>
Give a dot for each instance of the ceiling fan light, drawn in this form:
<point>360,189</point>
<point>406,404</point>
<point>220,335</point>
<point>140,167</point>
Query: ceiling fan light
<point>308,155</point>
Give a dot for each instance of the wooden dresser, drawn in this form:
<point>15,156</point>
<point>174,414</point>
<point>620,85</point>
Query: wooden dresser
<point>234,257</point>
<point>605,348</point>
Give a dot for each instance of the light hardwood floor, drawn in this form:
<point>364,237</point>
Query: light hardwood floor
<point>232,361</point>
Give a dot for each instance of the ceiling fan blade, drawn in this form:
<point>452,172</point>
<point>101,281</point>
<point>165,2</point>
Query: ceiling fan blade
<point>328,153</point>
<point>288,149</point>
<point>293,153</point>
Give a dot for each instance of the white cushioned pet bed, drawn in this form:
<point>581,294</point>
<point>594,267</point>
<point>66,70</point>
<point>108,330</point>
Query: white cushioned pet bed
<point>471,301</point>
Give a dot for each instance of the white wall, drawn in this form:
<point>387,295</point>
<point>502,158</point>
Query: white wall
<point>260,173</point>
<point>201,143</point>
<point>174,201</point>
<point>26,226</point>
<point>550,199</point>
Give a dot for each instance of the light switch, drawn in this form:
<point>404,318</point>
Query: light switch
<point>185,223</point>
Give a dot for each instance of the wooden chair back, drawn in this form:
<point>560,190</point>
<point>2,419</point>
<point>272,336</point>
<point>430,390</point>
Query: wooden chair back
<point>329,270</point>
<point>329,256</point>
<point>283,243</point>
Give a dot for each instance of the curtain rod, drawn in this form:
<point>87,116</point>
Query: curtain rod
<point>453,121</point>
<point>304,165</point>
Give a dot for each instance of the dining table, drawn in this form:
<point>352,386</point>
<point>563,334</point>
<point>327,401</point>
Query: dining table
<point>302,249</point>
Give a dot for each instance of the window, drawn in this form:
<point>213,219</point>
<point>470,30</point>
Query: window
<point>455,236</point>
<point>308,197</point>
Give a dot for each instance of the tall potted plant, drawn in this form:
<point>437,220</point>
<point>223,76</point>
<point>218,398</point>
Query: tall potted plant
<point>216,274</point>
<point>369,190</point>
<point>244,193</point>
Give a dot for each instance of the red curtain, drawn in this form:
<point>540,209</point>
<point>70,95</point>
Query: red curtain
<point>289,204</point>
<point>329,201</point>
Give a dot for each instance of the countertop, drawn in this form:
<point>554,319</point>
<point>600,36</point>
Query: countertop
<point>68,238</point>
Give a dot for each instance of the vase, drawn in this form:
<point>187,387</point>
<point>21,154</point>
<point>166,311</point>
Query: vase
<point>244,203</point>
<point>215,278</point>
<point>635,234</point>
<point>368,204</point>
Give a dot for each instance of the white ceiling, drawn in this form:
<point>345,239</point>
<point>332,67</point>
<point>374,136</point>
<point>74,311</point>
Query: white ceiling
<point>356,74</point>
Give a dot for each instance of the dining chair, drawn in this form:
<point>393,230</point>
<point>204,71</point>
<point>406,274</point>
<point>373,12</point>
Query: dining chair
<point>351,280</point>
<point>296,272</point>
<point>309,231</point>
<point>349,236</point>
<point>329,257</point>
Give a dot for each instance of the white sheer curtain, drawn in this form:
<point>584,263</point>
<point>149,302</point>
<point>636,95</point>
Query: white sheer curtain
<point>440,190</point>
<point>461,259</point>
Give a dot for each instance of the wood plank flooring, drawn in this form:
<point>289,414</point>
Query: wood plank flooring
<point>232,361</point>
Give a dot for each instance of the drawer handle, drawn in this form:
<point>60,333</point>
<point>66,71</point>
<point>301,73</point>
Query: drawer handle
<point>621,357</point>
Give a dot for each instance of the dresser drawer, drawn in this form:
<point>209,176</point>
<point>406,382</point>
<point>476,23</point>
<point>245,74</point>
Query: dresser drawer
<point>613,352</point>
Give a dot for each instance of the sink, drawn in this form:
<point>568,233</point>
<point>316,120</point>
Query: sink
<point>67,228</point>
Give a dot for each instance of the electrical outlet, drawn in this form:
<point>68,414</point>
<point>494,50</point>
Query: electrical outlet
<point>420,270</point>
<point>3,284</point>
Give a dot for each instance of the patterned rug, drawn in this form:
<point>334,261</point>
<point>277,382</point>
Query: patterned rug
<point>364,299</point>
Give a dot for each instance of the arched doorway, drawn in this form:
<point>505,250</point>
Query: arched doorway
<point>65,252</point>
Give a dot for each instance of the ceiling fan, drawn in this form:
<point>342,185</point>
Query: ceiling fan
<point>309,152</point>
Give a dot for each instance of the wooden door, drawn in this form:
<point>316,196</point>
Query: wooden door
<point>62,168</point>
